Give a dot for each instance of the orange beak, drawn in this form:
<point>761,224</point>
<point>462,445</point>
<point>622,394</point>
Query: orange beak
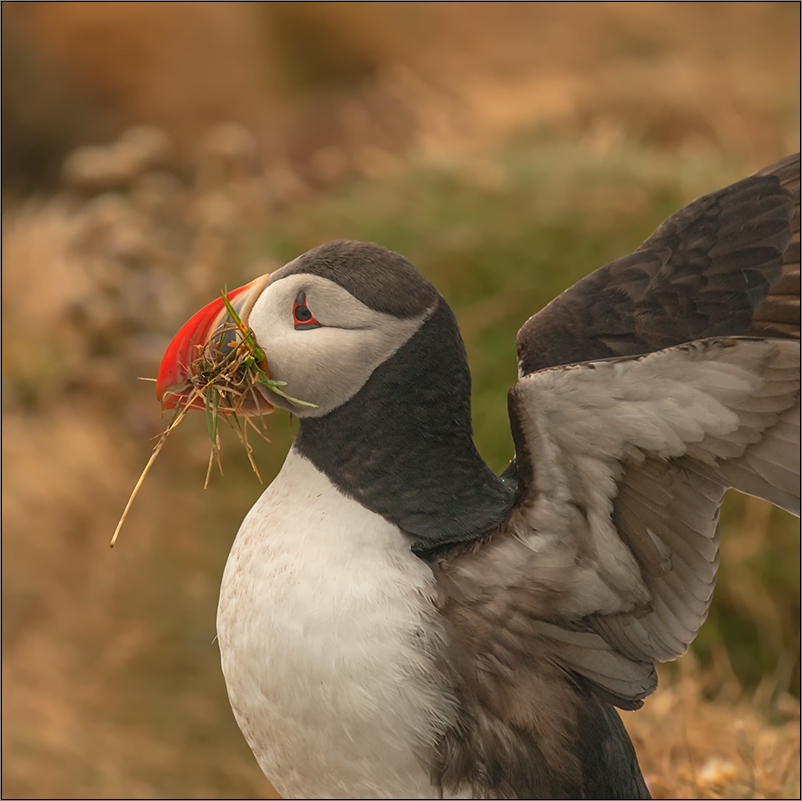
<point>174,385</point>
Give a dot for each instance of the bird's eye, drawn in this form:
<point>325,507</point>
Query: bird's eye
<point>301,315</point>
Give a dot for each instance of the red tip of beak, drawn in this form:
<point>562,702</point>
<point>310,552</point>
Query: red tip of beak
<point>173,384</point>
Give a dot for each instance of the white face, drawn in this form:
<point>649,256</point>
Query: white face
<point>328,365</point>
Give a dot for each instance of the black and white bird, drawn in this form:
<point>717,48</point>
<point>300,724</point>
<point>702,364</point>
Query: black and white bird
<point>398,621</point>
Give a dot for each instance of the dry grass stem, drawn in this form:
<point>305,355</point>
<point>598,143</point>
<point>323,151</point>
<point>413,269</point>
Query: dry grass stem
<point>156,450</point>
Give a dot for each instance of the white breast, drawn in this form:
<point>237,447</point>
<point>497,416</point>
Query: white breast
<point>328,636</point>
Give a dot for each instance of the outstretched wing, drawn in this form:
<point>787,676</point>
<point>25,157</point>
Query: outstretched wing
<point>646,390</point>
<point>608,559</point>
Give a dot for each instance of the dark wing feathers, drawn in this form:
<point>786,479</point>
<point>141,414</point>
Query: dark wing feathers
<point>778,315</point>
<point>726,264</point>
<point>646,390</point>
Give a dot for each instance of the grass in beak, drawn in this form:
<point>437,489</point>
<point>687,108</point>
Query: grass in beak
<point>255,353</point>
<point>227,380</point>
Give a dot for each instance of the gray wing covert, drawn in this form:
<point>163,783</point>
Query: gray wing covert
<point>608,559</point>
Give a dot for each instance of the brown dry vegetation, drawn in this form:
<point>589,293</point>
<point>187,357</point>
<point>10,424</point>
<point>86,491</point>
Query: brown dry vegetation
<point>474,138</point>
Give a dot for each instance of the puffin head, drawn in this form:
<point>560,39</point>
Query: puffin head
<point>324,322</point>
<point>355,330</point>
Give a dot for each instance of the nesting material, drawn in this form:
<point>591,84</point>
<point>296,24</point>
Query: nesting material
<point>229,376</point>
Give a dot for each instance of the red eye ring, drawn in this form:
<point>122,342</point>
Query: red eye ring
<point>301,315</point>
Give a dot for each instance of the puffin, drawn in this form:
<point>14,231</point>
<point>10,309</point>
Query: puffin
<point>396,620</point>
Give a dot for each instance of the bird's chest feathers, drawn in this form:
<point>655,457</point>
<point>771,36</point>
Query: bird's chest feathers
<point>328,637</point>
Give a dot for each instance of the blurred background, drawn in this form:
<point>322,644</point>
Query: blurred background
<point>154,152</point>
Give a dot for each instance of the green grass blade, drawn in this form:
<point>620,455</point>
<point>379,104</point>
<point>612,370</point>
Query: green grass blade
<point>247,336</point>
<point>209,413</point>
<point>275,389</point>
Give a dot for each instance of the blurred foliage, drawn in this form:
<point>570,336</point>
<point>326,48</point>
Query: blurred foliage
<point>338,88</point>
<point>506,152</point>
